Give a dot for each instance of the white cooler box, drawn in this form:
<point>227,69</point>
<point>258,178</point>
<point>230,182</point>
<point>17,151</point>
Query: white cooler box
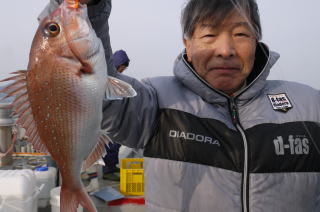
<point>18,191</point>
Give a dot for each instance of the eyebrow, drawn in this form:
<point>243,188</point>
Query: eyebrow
<point>244,24</point>
<point>234,25</point>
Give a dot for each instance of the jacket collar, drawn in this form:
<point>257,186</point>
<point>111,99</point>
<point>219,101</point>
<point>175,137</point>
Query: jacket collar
<point>265,59</point>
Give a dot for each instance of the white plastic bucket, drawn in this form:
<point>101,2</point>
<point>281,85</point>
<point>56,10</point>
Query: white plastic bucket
<point>55,200</point>
<point>18,192</point>
<point>17,205</point>
<point>45,176</point>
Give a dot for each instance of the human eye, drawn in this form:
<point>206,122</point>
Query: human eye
<point>242,34</point>
<point>210,35</point>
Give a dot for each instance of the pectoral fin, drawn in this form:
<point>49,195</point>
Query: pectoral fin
<point>117,89</point>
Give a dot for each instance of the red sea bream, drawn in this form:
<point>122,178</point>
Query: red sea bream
<point>59,98</point>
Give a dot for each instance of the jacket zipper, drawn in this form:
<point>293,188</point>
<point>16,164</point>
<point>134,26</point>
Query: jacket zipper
<point>236,123</point>
<point>245,176</point>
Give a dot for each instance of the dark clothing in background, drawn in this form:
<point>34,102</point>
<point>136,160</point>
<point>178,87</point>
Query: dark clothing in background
<point>111,158</point>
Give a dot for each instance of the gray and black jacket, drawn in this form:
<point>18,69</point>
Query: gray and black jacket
<point>208,152</point>
<point>258,151</point>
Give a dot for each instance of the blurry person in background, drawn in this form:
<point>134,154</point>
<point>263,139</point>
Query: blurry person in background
<point>121,60</point>
<point>110,170</point>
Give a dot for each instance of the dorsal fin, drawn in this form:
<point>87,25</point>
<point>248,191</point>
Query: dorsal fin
<point>21,107</point>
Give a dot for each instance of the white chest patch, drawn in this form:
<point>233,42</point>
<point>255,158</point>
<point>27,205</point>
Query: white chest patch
<point>280,102</point>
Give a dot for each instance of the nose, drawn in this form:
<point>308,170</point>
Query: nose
<point>224,46</point>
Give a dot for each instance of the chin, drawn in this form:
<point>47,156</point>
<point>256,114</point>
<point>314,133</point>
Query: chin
<point>222,85</point>
<point>223,88</point>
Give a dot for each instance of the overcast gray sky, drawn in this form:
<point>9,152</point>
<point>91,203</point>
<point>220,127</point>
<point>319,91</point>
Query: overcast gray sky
<point>149,30</point>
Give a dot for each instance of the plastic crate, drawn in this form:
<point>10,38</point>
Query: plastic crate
<point>132,177</point>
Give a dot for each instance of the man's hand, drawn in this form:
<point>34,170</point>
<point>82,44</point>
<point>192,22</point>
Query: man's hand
<point>89,2</point>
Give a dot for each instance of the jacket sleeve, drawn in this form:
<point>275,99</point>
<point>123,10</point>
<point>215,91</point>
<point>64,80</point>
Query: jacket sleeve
<point>132,121</point>
<point>129,121</point>
<point>99,15</point>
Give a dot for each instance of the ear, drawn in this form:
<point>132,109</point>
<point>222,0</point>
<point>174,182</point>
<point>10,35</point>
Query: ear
<point>187,45</point>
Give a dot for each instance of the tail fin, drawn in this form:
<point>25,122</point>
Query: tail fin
<point>70,200</point>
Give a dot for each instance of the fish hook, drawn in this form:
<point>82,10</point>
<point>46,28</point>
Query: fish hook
<point>73,3</point>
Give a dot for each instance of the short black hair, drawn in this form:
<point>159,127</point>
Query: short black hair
<point>199,11</point>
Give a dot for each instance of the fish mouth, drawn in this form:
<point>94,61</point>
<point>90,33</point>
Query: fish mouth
<point>84,48</point>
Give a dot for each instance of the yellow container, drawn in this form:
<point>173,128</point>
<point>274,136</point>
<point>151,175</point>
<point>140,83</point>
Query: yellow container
<point>132,177</point>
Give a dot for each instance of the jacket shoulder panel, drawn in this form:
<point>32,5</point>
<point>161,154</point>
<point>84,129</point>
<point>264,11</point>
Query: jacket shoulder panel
<point>304,99</point>
<point>172,94</point>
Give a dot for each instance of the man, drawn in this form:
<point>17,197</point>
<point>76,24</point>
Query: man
<point>218,136</point>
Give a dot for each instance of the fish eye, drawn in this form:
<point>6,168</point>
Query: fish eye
<point>52,29</point>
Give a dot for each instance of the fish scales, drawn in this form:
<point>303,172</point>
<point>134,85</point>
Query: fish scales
<point>65,108</point>
<point>58,100</point>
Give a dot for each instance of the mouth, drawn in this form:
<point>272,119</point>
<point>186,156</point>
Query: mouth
<point>225,69</point>
<point>84,47</point>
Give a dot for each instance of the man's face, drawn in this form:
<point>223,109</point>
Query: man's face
<point>121,68</point>
<point>223,55</point>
